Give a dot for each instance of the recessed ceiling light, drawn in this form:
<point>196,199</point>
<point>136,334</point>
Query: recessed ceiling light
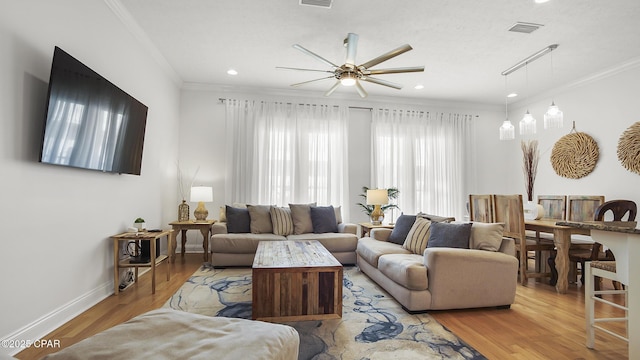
<point>419,87</point>
<point>512,95</point>
<point>540,1</point>
<point>232,72</point>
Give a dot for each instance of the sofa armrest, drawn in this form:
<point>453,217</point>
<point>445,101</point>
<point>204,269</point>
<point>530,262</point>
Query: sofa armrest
<point>463,278</point>
<point>381,234</point>
<point>219,228</point>
<point>348,228</point>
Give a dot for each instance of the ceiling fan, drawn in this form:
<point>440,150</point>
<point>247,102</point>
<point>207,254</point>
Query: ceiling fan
<point>349,74</point>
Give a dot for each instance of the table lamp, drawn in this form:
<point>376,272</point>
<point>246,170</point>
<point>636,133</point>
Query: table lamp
<point>201,194</point>
<point>377,197</point>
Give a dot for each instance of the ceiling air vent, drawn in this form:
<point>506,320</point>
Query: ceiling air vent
<point>523,27</point>
<point>319,3</point>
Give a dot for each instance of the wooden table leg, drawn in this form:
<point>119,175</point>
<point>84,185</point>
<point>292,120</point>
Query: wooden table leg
<point>184,240</point>
<point>205,242</point>
<point>562,240</point>
<point>173,244</point>
<point>116,272</point>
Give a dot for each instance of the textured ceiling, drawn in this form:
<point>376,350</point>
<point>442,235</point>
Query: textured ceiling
<point>463,44</point>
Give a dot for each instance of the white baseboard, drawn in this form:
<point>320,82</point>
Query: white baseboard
<point>191,248</point>
<point>53,320</point>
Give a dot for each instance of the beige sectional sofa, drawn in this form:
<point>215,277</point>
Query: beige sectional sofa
<point>237,248</point>
<point>484,275</point>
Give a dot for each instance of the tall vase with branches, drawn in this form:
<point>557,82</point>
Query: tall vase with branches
<point>530,158</point>
<point>183,207</point>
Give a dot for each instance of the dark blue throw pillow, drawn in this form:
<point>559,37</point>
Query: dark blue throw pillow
<point>449,235</point>
<point>401,229</point>
<point>323,219</point>
<point>238,220</point>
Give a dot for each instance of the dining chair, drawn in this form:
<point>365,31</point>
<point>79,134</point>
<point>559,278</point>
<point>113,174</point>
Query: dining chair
<point>581,208</point>
<point>555,208</point>
<point>508,209</point>
<point>481,208</point>
<point>618,210</point>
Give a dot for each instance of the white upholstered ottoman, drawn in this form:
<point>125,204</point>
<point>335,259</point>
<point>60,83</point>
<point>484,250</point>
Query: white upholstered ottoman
<point>172,334</point>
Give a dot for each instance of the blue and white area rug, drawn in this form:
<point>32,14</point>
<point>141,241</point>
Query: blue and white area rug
<point>373,325</point>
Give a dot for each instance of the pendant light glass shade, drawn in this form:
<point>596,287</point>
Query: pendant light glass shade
<point>507,131</point>
<point>528,124</point>
<point>553,118</point>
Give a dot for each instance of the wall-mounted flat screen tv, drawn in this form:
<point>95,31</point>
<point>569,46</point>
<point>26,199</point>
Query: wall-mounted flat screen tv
<point>91,123</point>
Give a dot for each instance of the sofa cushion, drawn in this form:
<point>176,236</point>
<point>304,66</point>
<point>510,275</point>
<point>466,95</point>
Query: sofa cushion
<point>281,220</point>
<point>323,219</point>
<point>401,229</point>
<point>301,215</point>
<point>370,249</point>
<point>418,236</point>
<point>334,242</point>
<point>240,243</point>
<point>238,220</point>
<point>407,270</point>
<point>449,235</point>
<point>486,236</point>
<point>436,218</point>
<point>260,219</point>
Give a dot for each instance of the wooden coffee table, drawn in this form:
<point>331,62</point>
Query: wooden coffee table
<point>296,280</point>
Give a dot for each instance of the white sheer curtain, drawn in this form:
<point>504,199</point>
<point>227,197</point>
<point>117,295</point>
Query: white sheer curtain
<point>287,153</point>
<point>423,154</point>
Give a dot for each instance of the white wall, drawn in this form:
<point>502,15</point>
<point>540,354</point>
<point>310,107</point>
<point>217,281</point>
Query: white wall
<point>57,258</point>
<point>603,106</point>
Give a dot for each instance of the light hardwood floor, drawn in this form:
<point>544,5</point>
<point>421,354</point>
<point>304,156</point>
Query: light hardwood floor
<point>540,325</point>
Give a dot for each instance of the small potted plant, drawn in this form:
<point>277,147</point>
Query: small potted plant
<point>139,224</point>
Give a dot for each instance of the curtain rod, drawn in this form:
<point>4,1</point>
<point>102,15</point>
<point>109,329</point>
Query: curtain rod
<point>222,100</point>
<point>531,58</point>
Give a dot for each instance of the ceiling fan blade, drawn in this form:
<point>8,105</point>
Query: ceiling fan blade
<point>361,90</point>
<point>352,46</point>
<point>382,82</point>
<point>386,56</point>
<point>301,69</point>
<point>310,81</point>
<point>394,70</point>
<point>333,88</point>
<point>314,55</point>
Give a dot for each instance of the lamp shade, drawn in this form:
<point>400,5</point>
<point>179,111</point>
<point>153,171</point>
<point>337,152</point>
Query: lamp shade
<point>377,197</point>
<point>201,194</point>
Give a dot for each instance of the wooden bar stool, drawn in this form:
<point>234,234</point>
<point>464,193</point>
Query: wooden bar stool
<point>603,269</point>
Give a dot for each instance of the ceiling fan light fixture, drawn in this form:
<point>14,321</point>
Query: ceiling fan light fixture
<point>348,79</point>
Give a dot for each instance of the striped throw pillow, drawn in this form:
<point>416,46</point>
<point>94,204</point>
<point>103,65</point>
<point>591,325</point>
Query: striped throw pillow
<point>418,236</point>
<point>281,220</point>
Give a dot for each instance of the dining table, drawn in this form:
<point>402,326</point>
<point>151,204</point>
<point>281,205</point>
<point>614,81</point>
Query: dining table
<point>562,241</point>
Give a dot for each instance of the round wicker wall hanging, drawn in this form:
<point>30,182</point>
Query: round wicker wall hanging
<point>575,155</point>
<point>629,148</point>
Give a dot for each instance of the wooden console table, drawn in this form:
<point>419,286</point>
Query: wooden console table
<point>205,229</point>
<point>153,262</point>
<point>295,281</point>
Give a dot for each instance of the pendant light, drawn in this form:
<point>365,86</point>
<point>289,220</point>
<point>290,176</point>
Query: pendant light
<point>507,130</point>
<point>528,122</point>
<point>553,118</point>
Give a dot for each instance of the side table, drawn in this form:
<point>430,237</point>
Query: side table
<point>205,229</point>
<point>154,261</point>
<point>365,228</point>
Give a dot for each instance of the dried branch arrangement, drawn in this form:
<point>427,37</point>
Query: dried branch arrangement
<point>629,148</point>
<point>530,157</point>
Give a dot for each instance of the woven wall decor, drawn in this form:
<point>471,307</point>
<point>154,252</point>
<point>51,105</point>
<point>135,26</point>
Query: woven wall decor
<point>629,148</point>
<point>575,155</point>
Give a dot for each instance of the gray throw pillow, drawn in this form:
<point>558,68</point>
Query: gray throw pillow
<point>449,235</point>
<point>401,229</point>
<point>323,219</point>
<point>238,220</point>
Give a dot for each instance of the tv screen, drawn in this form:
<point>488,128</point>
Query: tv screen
<point>90,123</point>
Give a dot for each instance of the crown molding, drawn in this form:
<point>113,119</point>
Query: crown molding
<point>132,26</point>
